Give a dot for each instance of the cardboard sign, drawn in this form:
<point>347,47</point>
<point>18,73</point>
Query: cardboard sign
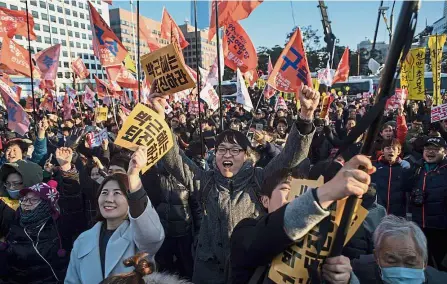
<point>166,66</point>
<point>209,95</point>
<point>144,127</point>
<point>295,264</point>
<point>94,139</point>
<point>439,113</point>
<point>101,114</point>
<point>193,107</point>
<point>397,100</point>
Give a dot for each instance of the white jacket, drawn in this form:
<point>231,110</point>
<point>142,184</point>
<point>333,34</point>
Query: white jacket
<point>143,234</point>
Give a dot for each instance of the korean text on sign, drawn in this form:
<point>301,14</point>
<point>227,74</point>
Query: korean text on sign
<point>144,127</point>
<point>439,113</point>
<point>165,66</point>
<point>101,114</point>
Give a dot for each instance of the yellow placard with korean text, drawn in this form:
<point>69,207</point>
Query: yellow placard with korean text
<point>435,45</point>
<point>101,114</point>
<point>415,66</point>
<point>168,69</point>
<point>144,127</point>
<point>295,264</point>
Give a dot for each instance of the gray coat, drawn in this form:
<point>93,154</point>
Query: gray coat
<point>227,201</point>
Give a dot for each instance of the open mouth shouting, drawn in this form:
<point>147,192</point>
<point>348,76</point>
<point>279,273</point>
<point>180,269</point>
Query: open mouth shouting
<point>227,164</point>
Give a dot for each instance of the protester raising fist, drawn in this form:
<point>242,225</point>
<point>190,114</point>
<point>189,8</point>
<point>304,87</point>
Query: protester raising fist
<point>309,99</point>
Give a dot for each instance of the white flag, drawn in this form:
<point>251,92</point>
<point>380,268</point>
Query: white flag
<point>326,75</point>
<point>213,74</point>
<point>209,95</point>
<point>242,93</point>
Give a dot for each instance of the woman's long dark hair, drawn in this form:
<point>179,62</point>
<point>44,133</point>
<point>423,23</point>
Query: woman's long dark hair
<point>123,182</point>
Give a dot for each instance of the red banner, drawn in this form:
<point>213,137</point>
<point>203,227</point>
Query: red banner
<point>106,45</point>
<point>47,61</point>
<point>79,68</point>
<point>238,49</point>
<point>48,102</point>
<point>18,119</point>
<point>230,11</point>
<point>397,100</point>
<point>122,76</point>
<point>15,57</point>
<point>169,28</point>
<point>291,69</point>
<point>342,73</point>
<point>14,23</point>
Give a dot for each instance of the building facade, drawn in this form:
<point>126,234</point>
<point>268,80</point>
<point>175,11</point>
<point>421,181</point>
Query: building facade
<point>66,22</point>
<point>206,49</point>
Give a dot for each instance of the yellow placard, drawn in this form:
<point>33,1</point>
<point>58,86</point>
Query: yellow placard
<point>165,65</point>
<point>404,73</point>
<point>316,84</point>
<point>129,64</point>
<point>294,264</point>
<point>435,44</point>
<point>415,64</point>
<point>144,127</point>
<point>101,114</point>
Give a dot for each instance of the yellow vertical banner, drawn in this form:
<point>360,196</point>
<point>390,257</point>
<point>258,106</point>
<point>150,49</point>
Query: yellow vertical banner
<point>404,73</point>
<point>435,44</point>
<point>415,75</point>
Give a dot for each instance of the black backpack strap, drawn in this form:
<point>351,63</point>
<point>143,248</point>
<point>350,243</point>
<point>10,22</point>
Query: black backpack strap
<point>206,190</point>
<point>257,276</point>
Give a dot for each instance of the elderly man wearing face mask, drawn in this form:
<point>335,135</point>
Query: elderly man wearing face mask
<point>229,192</point>
<point>400,256</point>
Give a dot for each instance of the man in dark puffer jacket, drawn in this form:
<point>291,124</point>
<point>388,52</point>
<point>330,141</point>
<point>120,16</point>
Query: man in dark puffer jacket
<point>427,184</point>
<point>388,178</point>
<point>180,214</point>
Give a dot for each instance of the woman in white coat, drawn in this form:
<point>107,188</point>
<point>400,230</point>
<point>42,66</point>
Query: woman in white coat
<point>128,224</point>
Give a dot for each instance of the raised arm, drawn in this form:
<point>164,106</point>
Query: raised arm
<point>300,137</point>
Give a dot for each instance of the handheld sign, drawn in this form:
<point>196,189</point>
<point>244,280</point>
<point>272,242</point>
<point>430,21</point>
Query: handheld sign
<point>439,113</point>
<point>303,260</point>
<point>144,127</point>
<point>101,114</point>
<point>165,66</point>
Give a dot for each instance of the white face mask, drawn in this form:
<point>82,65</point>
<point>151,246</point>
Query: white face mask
<point>99,180</point>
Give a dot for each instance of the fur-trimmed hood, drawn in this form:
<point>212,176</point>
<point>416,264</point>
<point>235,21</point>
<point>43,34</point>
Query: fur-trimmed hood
<point>163,278</point>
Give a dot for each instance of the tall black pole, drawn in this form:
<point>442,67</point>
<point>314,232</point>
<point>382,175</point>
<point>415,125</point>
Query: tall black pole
<point>218,66</point>
<point>400,45</point>
<point>199,82</point>
<point>375,32</point>
<point>138,51</point>
<point>436,71</point>
<point>30,62</point>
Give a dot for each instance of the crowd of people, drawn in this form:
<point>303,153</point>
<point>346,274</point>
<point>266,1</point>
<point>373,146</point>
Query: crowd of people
<point>215,208</point>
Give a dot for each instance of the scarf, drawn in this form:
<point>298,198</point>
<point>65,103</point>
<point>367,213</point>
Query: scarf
<point>32,220</point>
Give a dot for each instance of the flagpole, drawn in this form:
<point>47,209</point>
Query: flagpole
<point>138,51</point>
<point>218,66</point>
<point>30,62</point>
<point>199,82</point>
<point>133,31</point>
<point>256,108</point>
<point>436,70</point>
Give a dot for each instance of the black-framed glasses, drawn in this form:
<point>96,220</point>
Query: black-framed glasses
<point>32,201</point>
<point>9,185</point>
<point>233,151</point>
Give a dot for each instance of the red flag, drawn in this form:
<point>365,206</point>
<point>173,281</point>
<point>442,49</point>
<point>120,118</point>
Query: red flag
<point>125,110</point>
<point>89,97</point>
<point>238,49</point>
<point>48,102</point>
<point>16,88</point>
<point>342,73</point>
<point>122,76</point>
<point>15,57</point>
<point>108,2</point>
<point>146,35</point>
<point>47,61</point>
<point>47,84</point>
<point>252,77</point>
<point>14,23</point>
<point>106,45</point>
<point>170,28</point>
<point>79,68</point>
<point>268,90</point>
<point>71,92</point>
<point>230,11</point>
<point>68,106</point>
<point>101,87</point>
<point>29,104</point>
<point>18,119</point>
<point>291,69</point>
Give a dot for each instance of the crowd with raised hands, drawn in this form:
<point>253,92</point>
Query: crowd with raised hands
<point>216,207</point>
